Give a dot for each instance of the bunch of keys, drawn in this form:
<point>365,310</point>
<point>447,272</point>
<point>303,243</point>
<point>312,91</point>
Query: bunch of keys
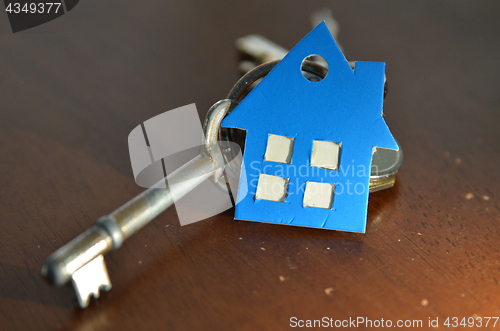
<point>81,261</point>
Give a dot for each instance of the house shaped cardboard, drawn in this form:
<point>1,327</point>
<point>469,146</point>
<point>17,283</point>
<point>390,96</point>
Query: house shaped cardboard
<point>309,145</point>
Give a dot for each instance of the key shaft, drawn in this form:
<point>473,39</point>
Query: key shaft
<point>109,232</point>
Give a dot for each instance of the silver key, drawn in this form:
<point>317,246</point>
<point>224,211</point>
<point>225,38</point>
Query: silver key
<point>262,50</point>
<point>81,260</point>
<point>326,15</point>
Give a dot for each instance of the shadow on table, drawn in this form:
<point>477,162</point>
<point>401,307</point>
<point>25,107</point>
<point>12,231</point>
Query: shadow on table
<point>26,284</point>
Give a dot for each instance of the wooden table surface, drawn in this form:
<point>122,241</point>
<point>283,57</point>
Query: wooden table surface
<point>71,91</point>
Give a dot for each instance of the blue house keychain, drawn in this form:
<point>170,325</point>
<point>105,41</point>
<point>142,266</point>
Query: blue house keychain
<point>309,144</point>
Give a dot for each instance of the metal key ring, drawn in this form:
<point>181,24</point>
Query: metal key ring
<point>247,80</point>
<point>262,70</point>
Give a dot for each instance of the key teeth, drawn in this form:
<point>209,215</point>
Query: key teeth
<point>84,302</point>
<point>89,280</point>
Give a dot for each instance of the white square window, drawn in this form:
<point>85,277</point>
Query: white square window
<point>326,155</point>
<point>319,195</point>
<point>272,188</point>
<point>279,149</point>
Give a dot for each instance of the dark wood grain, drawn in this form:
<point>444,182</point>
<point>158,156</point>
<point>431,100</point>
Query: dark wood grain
<point>73,89</point>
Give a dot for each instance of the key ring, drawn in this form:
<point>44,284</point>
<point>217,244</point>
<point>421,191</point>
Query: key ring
<point>262,70</point>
